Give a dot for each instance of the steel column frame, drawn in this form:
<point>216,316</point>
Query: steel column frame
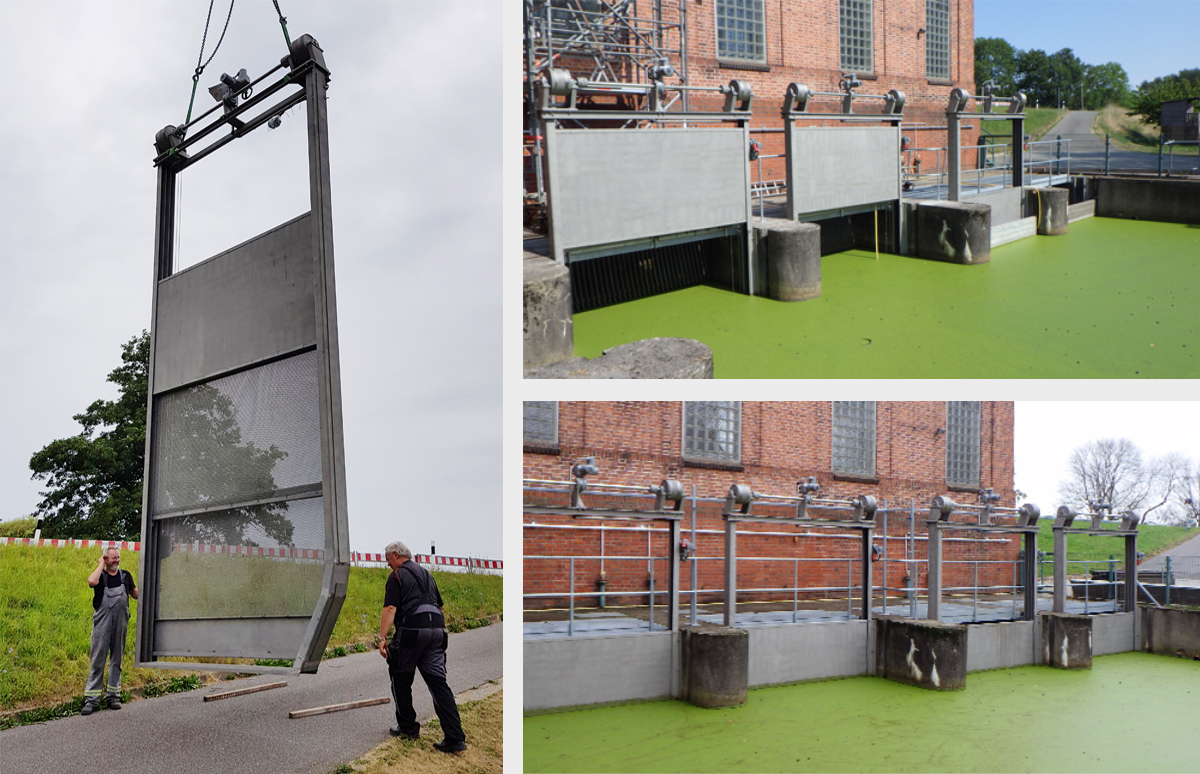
<point>1128,530</point>
<point>307,61</point>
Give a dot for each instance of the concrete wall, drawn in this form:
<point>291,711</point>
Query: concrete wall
<point>1171,630</point>
<point>1113,633</point>
<point>1000,645</point>
<point>575,671</point>
<point>1166,200</point>
<point>787,654</point>
<point>1007,204</point>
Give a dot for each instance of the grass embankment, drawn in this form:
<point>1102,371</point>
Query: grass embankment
<point>46,611</point>
<point>483,722</point>
<point>1037,122</point>
<point>1152,538</point>
<point>1132,132</point>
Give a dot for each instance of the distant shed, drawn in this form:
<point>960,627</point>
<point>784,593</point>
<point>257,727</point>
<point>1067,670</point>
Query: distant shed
<point>1180,120</point>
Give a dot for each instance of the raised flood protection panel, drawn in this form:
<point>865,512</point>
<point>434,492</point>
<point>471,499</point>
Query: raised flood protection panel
<point>244,526</point>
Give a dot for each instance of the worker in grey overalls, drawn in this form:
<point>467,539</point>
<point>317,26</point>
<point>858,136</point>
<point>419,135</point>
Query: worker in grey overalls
<point>411,599</point>
<point>110,601</point>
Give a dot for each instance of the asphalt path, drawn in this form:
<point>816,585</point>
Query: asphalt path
<point>250,733</point>
<point>1087,149</point>
<point>1187,549</point>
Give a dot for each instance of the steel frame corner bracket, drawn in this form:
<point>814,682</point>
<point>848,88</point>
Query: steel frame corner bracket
<point>267,303</point>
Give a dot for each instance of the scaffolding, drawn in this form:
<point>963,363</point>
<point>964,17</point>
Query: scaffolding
<point>616,41</point>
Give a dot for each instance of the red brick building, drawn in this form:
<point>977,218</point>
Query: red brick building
<point>923,48</point>
<point>894,451</point>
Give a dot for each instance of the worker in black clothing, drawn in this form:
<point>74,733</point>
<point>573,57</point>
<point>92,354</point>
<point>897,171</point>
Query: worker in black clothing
<point>411,599</point>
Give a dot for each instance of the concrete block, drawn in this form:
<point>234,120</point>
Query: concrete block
<point>1050,206</point>
<point>927,654</point>
<point>1160,199</point>
<point>1171,630</point>
<point>666,358</point>
<point>716,665</point>
<point>792,251</point>
<point>549,331</point>
<point>958,232</point>
<point>1066,640</point>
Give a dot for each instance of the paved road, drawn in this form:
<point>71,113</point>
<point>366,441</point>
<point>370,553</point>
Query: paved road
<point>250,733</point>
<point>1189,551</point>
<point>1087,149</point>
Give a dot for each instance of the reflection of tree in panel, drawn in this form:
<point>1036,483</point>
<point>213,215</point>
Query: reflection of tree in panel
<point>208,464</point>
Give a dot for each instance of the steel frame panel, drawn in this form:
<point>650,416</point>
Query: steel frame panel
<point>618,185</point>
<point>306,69</point>
<point>860,164</point>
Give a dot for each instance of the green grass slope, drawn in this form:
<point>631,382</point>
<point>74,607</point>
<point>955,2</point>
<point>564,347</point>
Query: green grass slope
<point>46,611</point>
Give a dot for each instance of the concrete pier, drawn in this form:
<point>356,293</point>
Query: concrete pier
<point>1067,640</point>
<point>716,666</point>
<point>927,654</point>
<point>958,232</point>
<point>549,331</point>
<point>792,251</point>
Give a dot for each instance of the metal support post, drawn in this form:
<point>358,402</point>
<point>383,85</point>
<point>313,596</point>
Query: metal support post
<point>1131,573</point>
<point>1018,152</point>
<point>1057,154</point>
<point>933,550</point>
<point>1106,143</point>
<point>571,601</point>
<point>1167,583</point>
<point>730,572</point>
<point>673,579</point>
<point>1060,570</point>
<point>1029,571</point>
<point>867,594</point>
<point>954,156</point>
<point>1160,147</point>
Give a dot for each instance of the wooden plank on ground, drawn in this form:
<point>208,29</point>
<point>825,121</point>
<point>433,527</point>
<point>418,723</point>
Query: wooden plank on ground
<point>243,691</point>
<point>339,707</point>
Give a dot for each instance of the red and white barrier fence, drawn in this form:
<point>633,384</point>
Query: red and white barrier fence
<point>468,563</point>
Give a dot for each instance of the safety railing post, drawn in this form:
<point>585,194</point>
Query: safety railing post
<point>1167,579</point>
<point>1160,147</point>
<point>1106,145</point>
<point>651,594</point>
<point>571,602</point>
<point>1058,154</point>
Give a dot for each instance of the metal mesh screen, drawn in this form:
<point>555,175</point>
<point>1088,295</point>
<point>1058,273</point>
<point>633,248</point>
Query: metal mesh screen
<point>712,430</point>
<point>238,439</point>
<point>250,562</point>
<point>740,30</point>
<point>541,421</point>
<point>856,38</point>
<point>853,443</point>
<point>615,279</point>
<point>962,442</point>
<point>937,38</point>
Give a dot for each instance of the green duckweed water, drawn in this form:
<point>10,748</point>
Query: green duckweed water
<point>1112,299</point>
<point>1132,712</point>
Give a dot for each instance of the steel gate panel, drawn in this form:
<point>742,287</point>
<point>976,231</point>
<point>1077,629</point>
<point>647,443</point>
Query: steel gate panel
<point>617,185</point>
<point>838,167</point>
<point>245,551</point>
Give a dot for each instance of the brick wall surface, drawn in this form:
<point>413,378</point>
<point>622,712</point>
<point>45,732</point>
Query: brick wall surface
<point>640,443</point>
<point>803,46</point>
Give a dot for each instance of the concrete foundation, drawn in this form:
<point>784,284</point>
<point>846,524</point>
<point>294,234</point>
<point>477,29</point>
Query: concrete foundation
<point>666,358</point>
<point>819,651</point>
<point>1050,207</point>
<point>715,664</point>
<point>1067,640</point>
<point>1159,199</point>
<point>958,232</point>
<point>549,332</point>
<point>1114,633</point>
<point>792,252</point>
<point>927,654</point>
<point>1175,631</point>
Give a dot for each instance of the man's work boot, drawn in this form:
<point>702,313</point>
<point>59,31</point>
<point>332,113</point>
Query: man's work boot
<point>450,747</point>
<point>114,702</point>
<point>89,707</point>
<point>406,733</point>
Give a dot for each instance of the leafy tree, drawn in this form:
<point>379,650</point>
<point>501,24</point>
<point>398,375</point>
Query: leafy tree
<point>995,60</point>
<point>94,478</point>
<point>1147,100</point>
<point>1106,83</point>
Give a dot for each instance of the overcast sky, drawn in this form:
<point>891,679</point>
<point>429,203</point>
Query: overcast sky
<point>415,152</point>
<point>1143,36</point>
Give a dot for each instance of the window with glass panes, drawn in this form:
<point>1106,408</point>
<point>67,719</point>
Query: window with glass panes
<point>712,430</point>
<point>856,37</point>
<point>937,39</point>
<point>741,30</point>
<point>540,425</point>
<point>962,443</point>
<point>853,444</point>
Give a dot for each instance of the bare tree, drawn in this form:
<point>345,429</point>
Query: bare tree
<point>1106,471</point>
<point>1183,510</point>
<point>1114,472</point>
